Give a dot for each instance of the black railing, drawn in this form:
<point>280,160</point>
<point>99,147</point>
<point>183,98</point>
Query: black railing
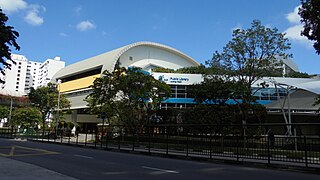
<point>195,141</point>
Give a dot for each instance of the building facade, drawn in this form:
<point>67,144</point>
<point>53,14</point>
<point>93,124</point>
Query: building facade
<point>76,79</point>
<point>26,74</point>
<point>48,69</point>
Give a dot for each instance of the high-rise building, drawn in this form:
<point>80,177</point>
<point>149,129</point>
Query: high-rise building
<point>26,74</point>
<point>48,68</point>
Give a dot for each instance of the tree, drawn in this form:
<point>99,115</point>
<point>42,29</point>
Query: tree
<point>163,70</point>
<point>127,94</point>
<point>201,69</point>
<point>46,100</point>
<point>251,53</point>
<point>215,90</point>
<point>220,103</point>
<point>193,70</point>
<point>27,117</point>
<point>7,38</point>
<point>104,92</point>
<point>310,14</point>
<point>294,74</point>
<point>4,112</point>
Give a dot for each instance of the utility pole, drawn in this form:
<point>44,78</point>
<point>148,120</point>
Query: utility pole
<point>10,115</point>
<point>58,106</point>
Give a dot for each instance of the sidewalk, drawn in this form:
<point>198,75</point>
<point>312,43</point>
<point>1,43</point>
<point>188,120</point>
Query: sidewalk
<point>11,169</point>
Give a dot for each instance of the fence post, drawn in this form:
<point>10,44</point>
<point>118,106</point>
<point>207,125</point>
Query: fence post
<point>61,135</point>
<point>56,135</point>
<point>102,133</point>
<point>167,141</point>
<point>210,146</point>
<point>187,144</point>
<point>133,138</point>
<point>77,139</point>
<point>238,144</point>
<point>268,144</point>
<point>85,140</point>
<point>107,136</point>
<point>149,140</point>
<point>96,138</point>
<point>69,137</point>
<point>305,150</point>
<point>119,138</point>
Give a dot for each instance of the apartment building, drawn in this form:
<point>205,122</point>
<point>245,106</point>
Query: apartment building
<point>26,74</point>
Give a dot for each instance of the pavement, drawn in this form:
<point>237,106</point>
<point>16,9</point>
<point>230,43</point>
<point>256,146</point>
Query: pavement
<point>11,169</point>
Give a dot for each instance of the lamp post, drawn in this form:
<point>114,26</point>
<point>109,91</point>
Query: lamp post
<point>10,115</point>
<point>58,105</point>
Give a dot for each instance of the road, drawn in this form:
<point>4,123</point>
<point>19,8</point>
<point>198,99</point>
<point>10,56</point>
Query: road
<point>86,163</point>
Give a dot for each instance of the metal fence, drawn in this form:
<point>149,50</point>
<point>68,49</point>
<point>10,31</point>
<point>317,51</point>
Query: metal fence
<point>206,142</point>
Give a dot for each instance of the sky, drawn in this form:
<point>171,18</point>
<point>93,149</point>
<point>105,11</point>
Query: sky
<point>79,29</point>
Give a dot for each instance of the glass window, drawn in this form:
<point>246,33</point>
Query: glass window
<point>181,95</point>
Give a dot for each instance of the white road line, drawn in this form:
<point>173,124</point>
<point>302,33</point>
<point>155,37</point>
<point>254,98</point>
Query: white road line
<point>88,157</point>
<point>158,169</point>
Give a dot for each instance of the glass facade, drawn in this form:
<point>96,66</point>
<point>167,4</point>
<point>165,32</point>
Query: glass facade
<point>178,91</point>
<point>269,93</point>
<point>180,98</point>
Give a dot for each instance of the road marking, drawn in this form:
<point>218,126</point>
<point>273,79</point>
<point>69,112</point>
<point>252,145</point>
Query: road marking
<point>88,157</point>
<point>16,151</point>
<point>114,173</point>
<point>12,150</point>
<point>158,169</point>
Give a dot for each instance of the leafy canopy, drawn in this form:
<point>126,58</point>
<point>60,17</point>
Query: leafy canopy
<point>7,38</point>
<point>310,14</point>
<point>251,53</point>
<point>4,112</point>
<point>46,99</point>
<point>126,94</point>
<point>27,117</point>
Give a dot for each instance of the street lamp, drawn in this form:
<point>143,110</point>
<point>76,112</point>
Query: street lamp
<point>10,115</point>
<point>58,105</point>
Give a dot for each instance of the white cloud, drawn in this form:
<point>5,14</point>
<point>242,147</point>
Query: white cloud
<point>77,10</point>
<point>9,6</point>
<point>33,17</point>
<point>294,17</point>
<point>63,34</point>
<point>85,26</point>
<point>32,10</point>
<point>294,34</point>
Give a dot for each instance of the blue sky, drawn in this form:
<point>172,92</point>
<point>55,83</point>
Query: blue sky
<point>79,29</point>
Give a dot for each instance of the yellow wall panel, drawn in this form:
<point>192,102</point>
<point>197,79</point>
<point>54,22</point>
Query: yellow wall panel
<point>78,83</point>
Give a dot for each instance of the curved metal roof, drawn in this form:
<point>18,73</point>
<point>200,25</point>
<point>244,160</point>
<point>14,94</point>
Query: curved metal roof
<point>109,59</point>
<point>308,84</point>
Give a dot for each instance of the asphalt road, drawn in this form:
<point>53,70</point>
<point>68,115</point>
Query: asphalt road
<point>85,163</point>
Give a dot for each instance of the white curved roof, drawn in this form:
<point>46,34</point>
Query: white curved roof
<point>309,84</point>
<point>109,59</point>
